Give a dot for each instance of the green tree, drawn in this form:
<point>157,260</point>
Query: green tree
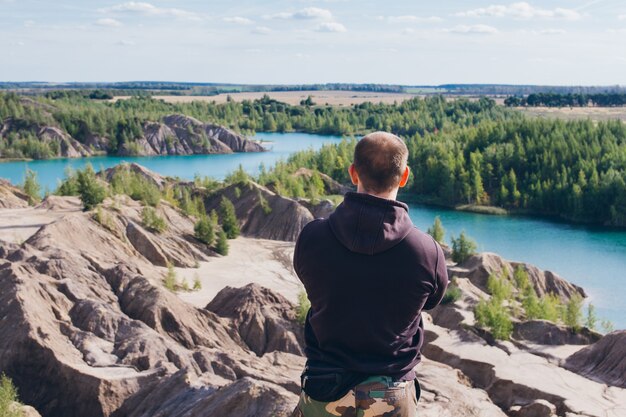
<point>592,320</point>
<point>573,312</point>
<point>550,308</point>
<point>531,304</point>
<point>8,398</point>
<point>493,315</point>
<point>170,280</point>
<point>462,248</point>
<point>230,224</point>
<point>521,279</point>
<point>205,230</point>
<point>437,231</point>
<point>221,246</point>
<point>31,187</point>
<point>499,287</point>
<point>90,190</point>
<point>152,221</point>
<point>303,307</point>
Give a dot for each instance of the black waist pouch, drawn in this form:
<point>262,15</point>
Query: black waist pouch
<point>326,383</point>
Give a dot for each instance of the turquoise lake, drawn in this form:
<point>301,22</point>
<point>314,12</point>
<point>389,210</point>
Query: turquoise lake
<point>593,258</point>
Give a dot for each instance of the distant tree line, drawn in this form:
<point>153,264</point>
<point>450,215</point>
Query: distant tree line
<point>190,88</point>
<point>567,100</point>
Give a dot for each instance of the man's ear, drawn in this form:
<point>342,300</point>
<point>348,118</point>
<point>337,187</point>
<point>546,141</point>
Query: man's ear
<point>405,177</point>
<point>353,174</point>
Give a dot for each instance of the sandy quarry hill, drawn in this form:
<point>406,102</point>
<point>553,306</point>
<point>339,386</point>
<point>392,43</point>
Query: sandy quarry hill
<point>88,328</point>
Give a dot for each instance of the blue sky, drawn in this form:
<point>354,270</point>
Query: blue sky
<point>306,41</point>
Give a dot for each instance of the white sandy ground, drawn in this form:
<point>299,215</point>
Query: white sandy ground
<point>265,262</point>
<point>17,225</point>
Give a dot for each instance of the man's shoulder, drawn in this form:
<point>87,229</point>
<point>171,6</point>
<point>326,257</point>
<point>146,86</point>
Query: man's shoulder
<point>314,228</point>
<point>421,242</point>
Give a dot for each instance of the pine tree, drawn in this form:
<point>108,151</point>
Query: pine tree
<point>221,246</point>
<point>462,248</point>
<point>31,187</point>
<point>437,231</point>
<point>90,190</point>
<point>204,230</point>
<point>230,224</point>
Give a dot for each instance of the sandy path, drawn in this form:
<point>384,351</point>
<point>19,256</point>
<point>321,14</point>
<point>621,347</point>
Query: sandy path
<point>265,262</point>
<point>17,225</point>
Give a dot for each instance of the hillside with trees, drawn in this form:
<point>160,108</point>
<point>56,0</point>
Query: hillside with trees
<point>461,151</point>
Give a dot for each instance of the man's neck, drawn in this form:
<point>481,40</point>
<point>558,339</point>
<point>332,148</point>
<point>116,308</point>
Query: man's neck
<point>390,195</point>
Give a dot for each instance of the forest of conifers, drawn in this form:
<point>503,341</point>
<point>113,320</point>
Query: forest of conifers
<point>567,100</point>
<point>461,152</point>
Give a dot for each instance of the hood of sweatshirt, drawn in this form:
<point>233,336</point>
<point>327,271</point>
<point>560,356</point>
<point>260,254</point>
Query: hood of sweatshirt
<point>367,224</point>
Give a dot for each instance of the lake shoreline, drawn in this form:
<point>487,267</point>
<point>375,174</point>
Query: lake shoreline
<point>499,211</point>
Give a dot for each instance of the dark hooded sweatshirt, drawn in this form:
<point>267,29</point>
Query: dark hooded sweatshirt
<point>368,273</point>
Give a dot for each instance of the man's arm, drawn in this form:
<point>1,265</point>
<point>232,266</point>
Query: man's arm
<point>440,280</point>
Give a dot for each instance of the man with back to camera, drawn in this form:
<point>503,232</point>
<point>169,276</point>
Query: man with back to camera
<point>368,273</point>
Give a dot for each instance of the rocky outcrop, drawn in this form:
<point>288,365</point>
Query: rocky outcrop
<point>537,408</point>
<point>184,135</point>
<point>544,332</point>
<point>262,213</point>
<point>59,141</point>
<point>150,176</point>
<point>603,361</point>
<point>265,320</point>
<point>67,146</point>
<point>330,185</point>
<point>478,268</point>
<point>235,142</point>
<point>176,135</point>
<point>321,209</point>
<point>12,197</point>
<point>87,326</point>
<point>514,378</point>
<point>180,395</point>
<point>60,204</point>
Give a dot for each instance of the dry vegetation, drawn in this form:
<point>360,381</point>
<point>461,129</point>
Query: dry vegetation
<point>333,98</point>
<point>573,113</point>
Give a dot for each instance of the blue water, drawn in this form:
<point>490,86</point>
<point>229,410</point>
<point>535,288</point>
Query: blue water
<point>590,257</point>
<point>593,258</point>
<point>50,172</point>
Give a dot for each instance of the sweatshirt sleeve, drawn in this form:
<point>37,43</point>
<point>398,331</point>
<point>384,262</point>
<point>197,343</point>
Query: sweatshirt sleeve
<point>440,278</point>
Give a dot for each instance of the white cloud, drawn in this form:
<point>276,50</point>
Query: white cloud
<point>308,13</point>
<point>238,20</point>
<point>473,29</point>
<point>622,17</point>
<point>521,10</point>
<point>29,23</point>
<point>331,27</point>
<point>125,43</point>
<point>148,9</point>
<point>108,22</point>
<point>262,30</point>
<point>552,32</point>
<point>407,31</point>
<point>411,18</point>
